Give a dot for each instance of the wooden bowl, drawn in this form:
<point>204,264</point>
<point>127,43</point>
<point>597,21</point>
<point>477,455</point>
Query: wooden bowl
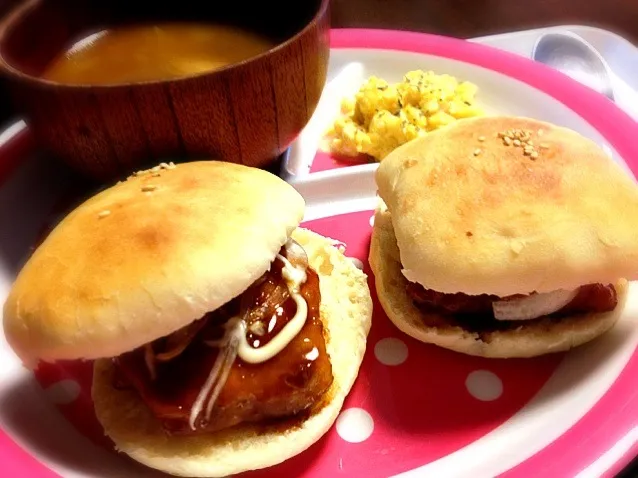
<point>248,112</point>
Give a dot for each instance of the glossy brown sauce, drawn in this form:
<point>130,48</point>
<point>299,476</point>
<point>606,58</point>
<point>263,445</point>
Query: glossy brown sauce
<point>287,384</point>
<point>265,328</point>
<point>153,52</point>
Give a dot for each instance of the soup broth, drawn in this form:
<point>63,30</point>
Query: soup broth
<point>154,52</point>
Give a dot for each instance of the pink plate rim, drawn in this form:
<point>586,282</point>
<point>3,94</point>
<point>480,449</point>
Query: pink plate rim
<point>609,420</point>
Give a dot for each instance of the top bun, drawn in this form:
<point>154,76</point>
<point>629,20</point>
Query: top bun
<point>475,215</point>
<point>147,257</point>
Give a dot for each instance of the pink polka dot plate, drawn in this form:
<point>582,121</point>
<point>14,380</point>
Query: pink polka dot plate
<point>415,410</point>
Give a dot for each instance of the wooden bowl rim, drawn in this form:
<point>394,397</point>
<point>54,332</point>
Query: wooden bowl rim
<point>17,14</point>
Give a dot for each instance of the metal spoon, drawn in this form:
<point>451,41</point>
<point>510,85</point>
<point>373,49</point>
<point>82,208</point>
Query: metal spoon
<point>575,57</point>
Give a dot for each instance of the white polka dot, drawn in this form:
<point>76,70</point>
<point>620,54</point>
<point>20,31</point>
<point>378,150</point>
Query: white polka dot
<point>357,263</point>
<point>484,385</point>
<point>391,351</point>
<point>355,425</point>
<point>63,392</point>
<point>372,220</point>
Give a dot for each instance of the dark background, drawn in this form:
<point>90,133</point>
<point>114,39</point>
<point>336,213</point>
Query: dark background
<point>469,18</point>
<point>464,19</point>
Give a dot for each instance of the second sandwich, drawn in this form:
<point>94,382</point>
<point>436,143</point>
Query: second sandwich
<point>504,237</point>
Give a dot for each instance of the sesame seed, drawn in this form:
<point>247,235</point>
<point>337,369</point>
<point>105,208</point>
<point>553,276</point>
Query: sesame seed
<point>534,155</point>
<point>477,152</point>
<point>517,246</point>
<point>517,134</point>
<point>104,213</point>
<point>148,188</point>
<point>171,165</point>
<point>517,142</point>
<point>530,142</point>
<point>507,140</point>
<point>544,145</point>
<point>481,138</point>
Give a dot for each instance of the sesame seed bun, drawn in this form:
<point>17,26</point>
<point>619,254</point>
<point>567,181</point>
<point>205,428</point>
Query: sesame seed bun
<point>530,339</point>
<point>146,257</point>
<point>346,310</point>
<point>475,215</point>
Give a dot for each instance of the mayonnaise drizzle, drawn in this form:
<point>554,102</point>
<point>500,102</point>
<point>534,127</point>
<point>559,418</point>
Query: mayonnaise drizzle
<point>294,277</point>
<point>234,342</point>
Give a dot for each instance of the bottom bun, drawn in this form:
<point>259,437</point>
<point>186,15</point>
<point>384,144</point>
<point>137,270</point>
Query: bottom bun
<point>531,339</point>
<point>346,311</point>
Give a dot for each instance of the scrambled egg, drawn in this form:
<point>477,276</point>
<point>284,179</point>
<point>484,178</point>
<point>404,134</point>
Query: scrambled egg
<point>382,116</point>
